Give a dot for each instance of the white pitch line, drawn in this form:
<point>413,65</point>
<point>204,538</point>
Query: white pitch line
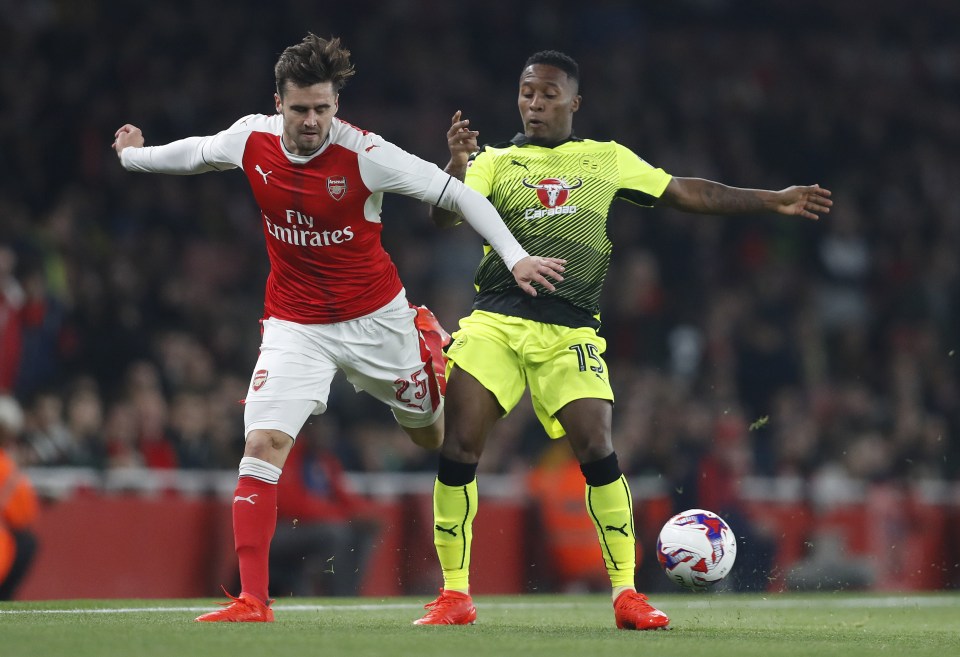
<point>854,603</point>
<point>280,607</point>
<point>729,601</point>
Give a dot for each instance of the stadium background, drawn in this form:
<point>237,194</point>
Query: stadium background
<point>802,376</point>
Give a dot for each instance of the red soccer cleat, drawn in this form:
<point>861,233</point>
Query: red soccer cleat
<point>450,608</point>
<point>435,339</point>
<point>245,609</point>
<point>633,612</point>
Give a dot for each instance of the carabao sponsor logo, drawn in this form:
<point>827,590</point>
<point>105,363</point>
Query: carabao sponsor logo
<point>553,194</point>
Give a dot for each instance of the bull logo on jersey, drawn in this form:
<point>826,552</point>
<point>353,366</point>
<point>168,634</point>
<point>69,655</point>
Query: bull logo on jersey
<point>337,187</point>
<point>553,192</point>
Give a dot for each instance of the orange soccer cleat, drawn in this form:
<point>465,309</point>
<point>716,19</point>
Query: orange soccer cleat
<point>450,608</point>
<point>633,612</point>
<point>245,609</point>
<point>435,338</point>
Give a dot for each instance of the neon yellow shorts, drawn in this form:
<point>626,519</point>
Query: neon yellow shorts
<point>506,354</point>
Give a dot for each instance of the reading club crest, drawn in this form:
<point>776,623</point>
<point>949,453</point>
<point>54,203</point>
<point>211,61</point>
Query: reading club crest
<point>553,192</point>
<point>337,187</point>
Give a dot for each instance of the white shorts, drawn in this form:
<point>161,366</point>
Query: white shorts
<point>381,353</point>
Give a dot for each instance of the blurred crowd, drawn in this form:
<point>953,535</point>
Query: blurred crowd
<point>129,304</point>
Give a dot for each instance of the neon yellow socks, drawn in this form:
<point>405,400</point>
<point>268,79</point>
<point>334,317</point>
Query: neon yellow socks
<point>454,508</point>
<point>611,509</point>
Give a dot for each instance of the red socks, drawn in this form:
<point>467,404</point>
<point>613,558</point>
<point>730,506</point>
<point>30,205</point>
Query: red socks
<point>254,522</point>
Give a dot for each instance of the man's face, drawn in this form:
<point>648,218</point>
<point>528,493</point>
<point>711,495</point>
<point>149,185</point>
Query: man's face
<point>547,101</point>
<point>307,115</point>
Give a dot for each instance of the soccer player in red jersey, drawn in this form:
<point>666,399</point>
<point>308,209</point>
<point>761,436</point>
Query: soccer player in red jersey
<point>334,300</point>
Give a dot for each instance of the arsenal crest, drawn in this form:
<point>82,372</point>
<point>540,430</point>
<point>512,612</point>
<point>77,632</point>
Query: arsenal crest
<point>337,187</point>
<point>259,378</point>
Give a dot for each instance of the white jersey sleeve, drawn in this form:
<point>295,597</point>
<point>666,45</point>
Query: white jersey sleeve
<point>191,155</point>
<point>386,167</point>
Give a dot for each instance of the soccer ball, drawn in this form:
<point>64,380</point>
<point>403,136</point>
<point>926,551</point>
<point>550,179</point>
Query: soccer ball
<point>696,549</point>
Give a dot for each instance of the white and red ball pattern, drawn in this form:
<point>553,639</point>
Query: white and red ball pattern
<point>696,549</point>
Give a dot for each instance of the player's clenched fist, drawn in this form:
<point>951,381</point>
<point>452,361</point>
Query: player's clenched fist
<point>127,135</point>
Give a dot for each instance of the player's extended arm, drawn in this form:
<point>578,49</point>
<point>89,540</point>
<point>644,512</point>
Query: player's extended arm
<point>182,157</point>
<point>462,142</point>
<point>708,197</point>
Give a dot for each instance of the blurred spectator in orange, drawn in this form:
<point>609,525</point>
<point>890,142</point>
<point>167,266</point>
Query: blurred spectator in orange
<point>18,505</point>
<point>568,538</point>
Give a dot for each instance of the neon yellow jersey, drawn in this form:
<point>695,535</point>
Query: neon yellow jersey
<point>555,200</point>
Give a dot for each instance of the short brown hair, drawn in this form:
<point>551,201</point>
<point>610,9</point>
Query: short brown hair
<point>312,61</point>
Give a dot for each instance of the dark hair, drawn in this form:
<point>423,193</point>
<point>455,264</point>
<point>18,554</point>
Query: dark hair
<point>555,58</point>
<point>314,60</point>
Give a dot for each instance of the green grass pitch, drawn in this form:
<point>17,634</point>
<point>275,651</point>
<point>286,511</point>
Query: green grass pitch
<point>725,624</point>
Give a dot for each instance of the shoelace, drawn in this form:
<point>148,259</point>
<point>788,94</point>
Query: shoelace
<point>435,603</point>
<point>638,601</point>
<point>232,598</point>
<point>235,599</point>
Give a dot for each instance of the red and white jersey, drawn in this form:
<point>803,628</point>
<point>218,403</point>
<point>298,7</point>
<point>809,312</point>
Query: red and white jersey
<point>320,213</point>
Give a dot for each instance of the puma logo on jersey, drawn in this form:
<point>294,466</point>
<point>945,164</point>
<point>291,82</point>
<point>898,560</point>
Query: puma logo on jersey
<point>452,530</point>
<point>240,498</point>
<point>519,164</point>
<point>371,147</point>
<point>622,529</point>
<point>260,171</point>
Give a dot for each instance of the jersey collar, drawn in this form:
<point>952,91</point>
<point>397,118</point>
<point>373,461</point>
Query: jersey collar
<point>303,159</point>
<point>521,139</point>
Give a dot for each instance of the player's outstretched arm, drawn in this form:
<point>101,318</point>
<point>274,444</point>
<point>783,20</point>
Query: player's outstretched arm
<point>182,157</point>
<point>535,269</point>
<point>461,141</point>
<point>708,197</point>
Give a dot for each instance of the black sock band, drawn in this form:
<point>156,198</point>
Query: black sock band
<point>602,472</point>
<point>454,473</point>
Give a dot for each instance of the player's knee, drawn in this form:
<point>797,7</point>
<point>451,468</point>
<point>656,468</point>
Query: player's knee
<point>429,441</point>
<point>427,437</point>
<point>590,448</point>
<point>461,455</point>
<point>267,444</point>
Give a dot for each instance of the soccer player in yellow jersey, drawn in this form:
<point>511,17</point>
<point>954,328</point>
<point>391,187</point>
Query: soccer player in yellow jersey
<point>553,191</point>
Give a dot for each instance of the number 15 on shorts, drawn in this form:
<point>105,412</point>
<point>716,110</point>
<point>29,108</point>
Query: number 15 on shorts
<point>588,355</point>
